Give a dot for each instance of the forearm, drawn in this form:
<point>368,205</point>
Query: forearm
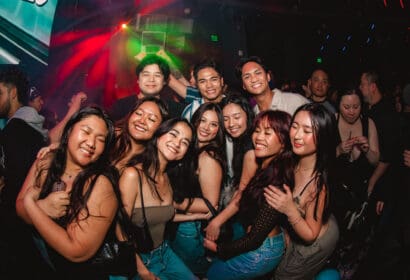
<point>141,268</point>
<point>230,210</point>
<point>181,218</point>
<point>198,206</point>
<point>55,133</point>
<point>190,217</point>
<point>301,227</point>
<point>192,205</point>
<point>21,211</point>
<point>373,156</point>
<point>51,232</point>
<point>28,185</point>
<point>265,221</point>
<point>177,86</point>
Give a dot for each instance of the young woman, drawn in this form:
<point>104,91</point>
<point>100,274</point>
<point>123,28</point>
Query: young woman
<point>133,132</point>
<point>197,179</point>
<point>136,129</point>
<point>238,119</point>
<point>261,249</point>
<point>89,197</point>
<point>357,155</point>
<point>313,231</point>
<point>170,142</point>
<point>241,162</point>
<point>357,148</point>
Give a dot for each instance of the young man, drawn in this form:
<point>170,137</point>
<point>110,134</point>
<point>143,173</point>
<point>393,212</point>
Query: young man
<point>255,80</point>
<point>382,112</point>
<point>153,75</point>
<point>384,184</point>
<point>22,136</point>
<point>35,99</point>
<point>210,84</point>
<point>318,87</point>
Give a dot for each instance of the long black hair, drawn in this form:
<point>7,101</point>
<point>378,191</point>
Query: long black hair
<point>324,131</point>
<point>183,176</point>
<point>278,172</point>
<point>149,158</point>
<point>216,147</point>
<point>243,143</point>
<point>84,182</point>
<point>124,139</point>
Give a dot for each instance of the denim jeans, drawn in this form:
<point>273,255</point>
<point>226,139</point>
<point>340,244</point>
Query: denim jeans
<point>328,274</point>
<point>250,264</point>
<point>165,264</point>
<point>188,245</point>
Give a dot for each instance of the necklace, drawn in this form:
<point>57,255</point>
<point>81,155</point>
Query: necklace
<point>68,175</point>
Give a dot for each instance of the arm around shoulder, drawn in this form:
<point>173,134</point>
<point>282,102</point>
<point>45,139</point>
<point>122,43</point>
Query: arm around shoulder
<point>81,239</point>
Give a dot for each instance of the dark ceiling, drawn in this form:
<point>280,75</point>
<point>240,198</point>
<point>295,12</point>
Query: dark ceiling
<point>383,9</point>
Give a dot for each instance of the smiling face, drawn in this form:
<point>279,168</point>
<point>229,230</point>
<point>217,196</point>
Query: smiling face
<point>235,120</point>
<point>302,135</point>
<point>350,107</point>
<point>208,127</point>
<point>174,144</point>
<point>210,84</point>
<point>144,121</point>
<point>86,141</point>
<point>266,141</point>
<point>151,80</point>
<point>255,80</point>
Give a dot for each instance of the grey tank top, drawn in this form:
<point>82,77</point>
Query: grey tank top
<point>157,217</point>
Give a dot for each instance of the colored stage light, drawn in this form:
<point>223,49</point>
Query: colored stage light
<point>214,38</point>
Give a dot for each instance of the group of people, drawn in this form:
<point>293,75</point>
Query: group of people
<point>227,191</point>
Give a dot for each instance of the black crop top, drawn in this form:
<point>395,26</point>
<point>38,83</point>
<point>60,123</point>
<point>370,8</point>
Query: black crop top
<point>266,219</point>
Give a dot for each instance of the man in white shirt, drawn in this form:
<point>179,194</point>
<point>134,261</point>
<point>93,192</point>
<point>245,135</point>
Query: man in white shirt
<point>255,80</point>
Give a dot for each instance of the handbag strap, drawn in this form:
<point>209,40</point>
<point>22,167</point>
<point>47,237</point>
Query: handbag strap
<point>211,208</point>
<point>144,217</point>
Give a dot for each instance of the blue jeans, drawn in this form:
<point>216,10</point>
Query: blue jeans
<point>163,262</point>
<point>188,245</point>
<point>250,264</point>
<point>328,274</point>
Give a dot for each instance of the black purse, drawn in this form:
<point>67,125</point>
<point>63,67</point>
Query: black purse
<point>226,231</point>
<point>142,235</point>
<point>116,258</point>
